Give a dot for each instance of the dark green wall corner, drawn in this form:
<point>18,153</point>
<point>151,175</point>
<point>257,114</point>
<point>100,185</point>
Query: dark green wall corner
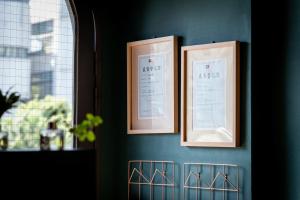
<point>275,99</point>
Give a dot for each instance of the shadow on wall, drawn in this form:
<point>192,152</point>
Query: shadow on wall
<point>270,25</point>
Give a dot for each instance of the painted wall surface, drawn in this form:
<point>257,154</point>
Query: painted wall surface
<point>196,22</point>
<point>292,100</point>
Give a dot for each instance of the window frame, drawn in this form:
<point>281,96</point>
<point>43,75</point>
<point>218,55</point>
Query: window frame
<point>86,73</point>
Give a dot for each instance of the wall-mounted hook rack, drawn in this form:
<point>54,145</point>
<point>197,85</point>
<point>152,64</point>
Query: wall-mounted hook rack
<point>151,174</point>
<point>211,181</point>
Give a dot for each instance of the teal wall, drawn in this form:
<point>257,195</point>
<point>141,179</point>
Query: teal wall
<point>292,100</point>
<point>196,22</point>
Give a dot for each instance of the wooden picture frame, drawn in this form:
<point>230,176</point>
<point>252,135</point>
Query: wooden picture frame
<point>152,86</point>
<point>210,98</point>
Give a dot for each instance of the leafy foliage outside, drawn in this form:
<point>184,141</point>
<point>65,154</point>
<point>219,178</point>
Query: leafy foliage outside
<point>28,119</point>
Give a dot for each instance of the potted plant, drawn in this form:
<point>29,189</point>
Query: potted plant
<point>7,101</point>
<point>84,131</point>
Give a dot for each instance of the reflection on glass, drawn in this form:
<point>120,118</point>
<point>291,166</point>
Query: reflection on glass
<point>36,60</point>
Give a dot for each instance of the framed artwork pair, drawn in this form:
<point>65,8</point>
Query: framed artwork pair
<point>209,90</point>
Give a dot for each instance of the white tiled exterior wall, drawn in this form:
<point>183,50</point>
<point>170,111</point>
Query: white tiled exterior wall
<point>15,32</point>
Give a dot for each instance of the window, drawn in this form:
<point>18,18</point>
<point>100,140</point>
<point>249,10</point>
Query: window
<point>42,27</point>
<point>41,84</point>
<point>37,60</point>
<point>13,52</point>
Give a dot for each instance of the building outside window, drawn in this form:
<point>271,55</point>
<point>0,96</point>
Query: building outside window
<point>36,60</point>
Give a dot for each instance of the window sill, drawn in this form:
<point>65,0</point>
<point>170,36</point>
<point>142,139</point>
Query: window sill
<point>40,151</point>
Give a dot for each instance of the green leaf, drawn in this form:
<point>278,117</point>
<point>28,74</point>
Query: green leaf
<point>81,138</point>
<point>91,136</point>
<point>86,123</point>
<point>90,116</point>
<point>8,100</point>
<point>98,120</point>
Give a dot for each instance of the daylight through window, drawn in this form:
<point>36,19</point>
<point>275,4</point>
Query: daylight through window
<point>37,61</point>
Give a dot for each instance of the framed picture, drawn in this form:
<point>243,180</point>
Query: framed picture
<point>210,99</point>
<point>152,86</point>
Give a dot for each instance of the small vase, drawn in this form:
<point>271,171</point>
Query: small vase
<point>3,139</point>
<point>52,138</point>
